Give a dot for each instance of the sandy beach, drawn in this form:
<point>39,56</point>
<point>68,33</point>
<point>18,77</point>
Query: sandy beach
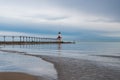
<point>20,76</point>
<point>16,76</point>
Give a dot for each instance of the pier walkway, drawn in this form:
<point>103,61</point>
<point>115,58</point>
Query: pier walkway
<point>28,40</point>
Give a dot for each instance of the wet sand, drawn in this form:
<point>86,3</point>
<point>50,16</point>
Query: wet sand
<point>76,69</point>
<point>16,76</point>
<point>20,76</point>
<point>110,56</point>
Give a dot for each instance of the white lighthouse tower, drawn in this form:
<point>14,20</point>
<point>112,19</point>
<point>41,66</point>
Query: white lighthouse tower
<point>59,38</point>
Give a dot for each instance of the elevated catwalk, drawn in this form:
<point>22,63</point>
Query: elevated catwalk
<point>30,40</point>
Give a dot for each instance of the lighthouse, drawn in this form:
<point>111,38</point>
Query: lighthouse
<point>59,38</point>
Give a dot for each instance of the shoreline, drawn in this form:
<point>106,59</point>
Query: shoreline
<point>17,76</point>
<point>23,75</point>
<point>77,69</point>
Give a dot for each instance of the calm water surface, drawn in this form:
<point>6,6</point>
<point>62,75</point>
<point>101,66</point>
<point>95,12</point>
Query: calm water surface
<point>82,48</point>
<point>106,53</point>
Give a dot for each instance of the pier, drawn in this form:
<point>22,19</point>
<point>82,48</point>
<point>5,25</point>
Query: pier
<point>29,40</point>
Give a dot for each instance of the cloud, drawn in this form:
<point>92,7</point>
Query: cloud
<point>70,16</point>
<point>111,34</point>
<point>11,33</point>
<point>54,15</point>
<point>109,8</point>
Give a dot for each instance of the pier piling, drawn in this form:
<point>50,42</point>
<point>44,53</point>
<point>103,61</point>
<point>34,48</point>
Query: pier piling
<point>28,40</point>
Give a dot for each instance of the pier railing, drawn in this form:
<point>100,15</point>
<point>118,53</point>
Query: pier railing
<point>26,39</point>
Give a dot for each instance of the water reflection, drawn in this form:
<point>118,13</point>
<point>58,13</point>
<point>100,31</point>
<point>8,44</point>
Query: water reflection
<point>36,48</point>
<point>59,46</point>
<point>59,49</point>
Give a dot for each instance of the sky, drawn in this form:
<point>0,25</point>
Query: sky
<point>83,20</point>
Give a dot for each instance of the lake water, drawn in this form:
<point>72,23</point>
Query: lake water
<point>106,53</point>
<point>81,48</point>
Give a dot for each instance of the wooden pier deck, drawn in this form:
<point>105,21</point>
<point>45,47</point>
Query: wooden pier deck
<point>29,40</point>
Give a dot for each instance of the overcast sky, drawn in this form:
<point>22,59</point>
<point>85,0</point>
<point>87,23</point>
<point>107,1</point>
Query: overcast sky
<point>85,20</point>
